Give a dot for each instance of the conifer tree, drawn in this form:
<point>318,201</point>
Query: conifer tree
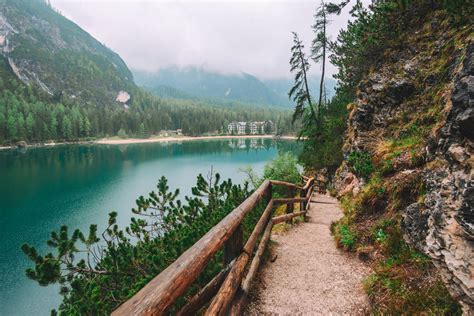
<point>67,127</point>
<point>30,125</point>
<point>299,93</point>
<point>54,127</point>
<point>247,128</point>
<point>319,47</point>
<point>87,126</point>
<point>141,131</point>
<point>12,131</point>
<point>2,125</point>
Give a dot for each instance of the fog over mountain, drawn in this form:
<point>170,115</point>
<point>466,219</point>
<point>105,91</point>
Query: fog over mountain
<point>199,83</point>
<point>225,36</point>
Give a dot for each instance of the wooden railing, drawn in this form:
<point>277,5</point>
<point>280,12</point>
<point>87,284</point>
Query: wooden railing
<point>228,290</point>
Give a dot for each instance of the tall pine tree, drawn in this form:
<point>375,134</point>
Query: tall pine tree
<point>319,46</point>
<point>299,93</point>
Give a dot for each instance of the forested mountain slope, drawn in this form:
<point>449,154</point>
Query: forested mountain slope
<point>44,49</point>
<point>198,83</point>
<point>282,86</point>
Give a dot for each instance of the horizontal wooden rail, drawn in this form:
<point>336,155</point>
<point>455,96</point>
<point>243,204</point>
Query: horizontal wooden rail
<point>250,244</point>
<point>224,297</point>
<point>229,288</point>
<point>309,194</point>
<point>289,200</point>
<point>286,217</point>
<point>205,294</point>
<point>287,184</point>
<point>242,296</point>
<point>308,184</point>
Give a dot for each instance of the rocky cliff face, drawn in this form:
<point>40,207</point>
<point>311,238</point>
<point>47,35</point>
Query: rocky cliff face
<point>448,222</point>
<point>414,120</point>
<point>40,47</point>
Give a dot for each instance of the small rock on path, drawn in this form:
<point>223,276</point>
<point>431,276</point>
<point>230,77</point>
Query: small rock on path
<point>310,275</point>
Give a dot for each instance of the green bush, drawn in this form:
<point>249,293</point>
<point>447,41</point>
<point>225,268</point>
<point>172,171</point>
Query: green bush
<point>122,134</point>
<point>360,163</point>
<point>284,167</point>
<point>348,238</point>
<point>344,236</point>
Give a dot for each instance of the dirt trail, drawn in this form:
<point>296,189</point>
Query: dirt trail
<point>310,275</point>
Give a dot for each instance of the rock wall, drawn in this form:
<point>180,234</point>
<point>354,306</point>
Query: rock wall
<point>441,222</point>
<point>449,202</point>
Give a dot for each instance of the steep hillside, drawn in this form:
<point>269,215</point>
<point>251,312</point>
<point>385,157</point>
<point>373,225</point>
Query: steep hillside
<point>41,47</point>
<point>407,178</point>
<point>192,82</point>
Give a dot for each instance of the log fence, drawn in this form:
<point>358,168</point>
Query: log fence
<point>227,292</point>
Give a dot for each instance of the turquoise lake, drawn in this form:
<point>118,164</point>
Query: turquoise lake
<point>78,185</point>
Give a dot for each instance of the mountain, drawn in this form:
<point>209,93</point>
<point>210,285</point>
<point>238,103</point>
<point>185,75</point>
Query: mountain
<point>281,86</point>
<point>198,83</point>
<point>193,82</point>
<point>42,48</point>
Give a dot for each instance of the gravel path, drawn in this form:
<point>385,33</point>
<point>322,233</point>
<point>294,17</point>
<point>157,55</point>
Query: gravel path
<point>310,275</point>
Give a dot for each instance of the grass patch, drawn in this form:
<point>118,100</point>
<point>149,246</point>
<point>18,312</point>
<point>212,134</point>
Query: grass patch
<point>404,280</point>
<point>344,236</point>
<point>360,163</point>
<point>407,290</point>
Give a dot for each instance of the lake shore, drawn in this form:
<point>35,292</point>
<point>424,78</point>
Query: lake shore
<point>113,141</point>
<point>155,139</point>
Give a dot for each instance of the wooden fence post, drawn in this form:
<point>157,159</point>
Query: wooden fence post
<point>269,195</point>
<point>233,246</point>
<point>303,203</point>
<point>291,206</point>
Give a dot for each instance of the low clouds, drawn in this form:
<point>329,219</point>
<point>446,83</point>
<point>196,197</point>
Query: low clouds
<point>226,36</point>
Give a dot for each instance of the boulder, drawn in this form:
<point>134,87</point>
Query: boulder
<point>465,120</point>
<point>457,153</point>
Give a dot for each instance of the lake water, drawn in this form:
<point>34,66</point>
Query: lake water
<point>77,185</point>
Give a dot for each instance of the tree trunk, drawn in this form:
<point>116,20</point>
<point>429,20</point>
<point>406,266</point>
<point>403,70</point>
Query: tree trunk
<point>321,85</point>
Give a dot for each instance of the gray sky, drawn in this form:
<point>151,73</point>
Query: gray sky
<point>226,36</point>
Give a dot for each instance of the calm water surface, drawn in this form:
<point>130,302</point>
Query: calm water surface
<point>77,185</point>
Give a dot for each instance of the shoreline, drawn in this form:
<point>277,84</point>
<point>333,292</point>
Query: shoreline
<point>126,141</point>
<point>106,141</point>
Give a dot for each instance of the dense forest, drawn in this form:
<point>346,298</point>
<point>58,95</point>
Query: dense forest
<point>26,116</point>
